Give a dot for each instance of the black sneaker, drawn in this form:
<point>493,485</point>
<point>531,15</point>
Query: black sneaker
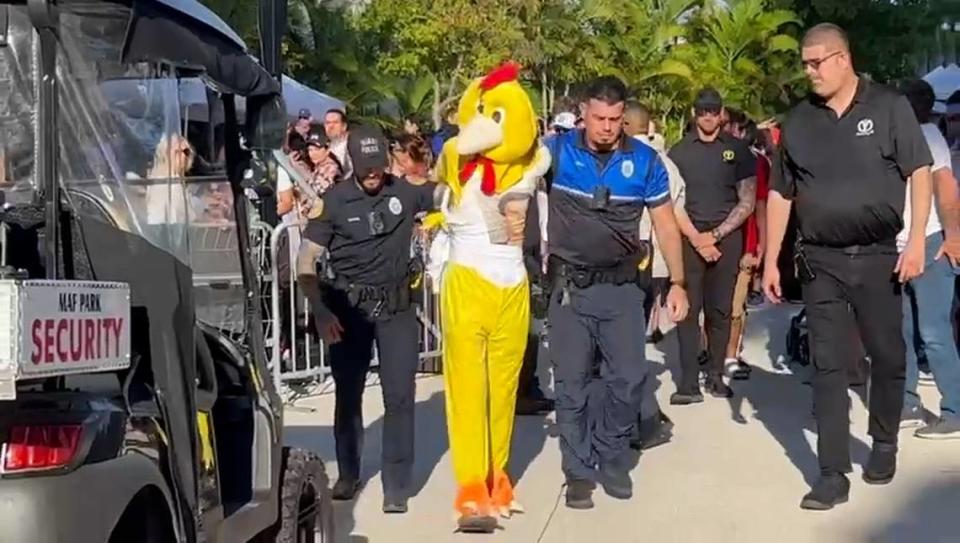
<point>718,389</point>
<point>683,398</point>
<point>882,465</point>
<point>828,491</point>
<point>653,432</point>
<point>345,489</point>
<point>580,494</point>
<point>616,482</point>
<point>396,506</point>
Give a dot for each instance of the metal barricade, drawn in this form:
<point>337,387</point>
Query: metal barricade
<point>307,361</point>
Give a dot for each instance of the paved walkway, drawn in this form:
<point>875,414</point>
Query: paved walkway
<point>735,471</point>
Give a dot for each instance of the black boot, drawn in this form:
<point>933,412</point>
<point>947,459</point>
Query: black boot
<point>831,489</point>
<point>882,465</point>
<point>345,489</point>
<point>616,482</point>
<point>580,494</point>
<point>717,388</point>
<point>653,432</point>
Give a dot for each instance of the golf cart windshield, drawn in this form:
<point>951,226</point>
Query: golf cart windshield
<point>124,154</point>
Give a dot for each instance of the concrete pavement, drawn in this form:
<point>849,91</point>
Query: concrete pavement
<point>735,471</point>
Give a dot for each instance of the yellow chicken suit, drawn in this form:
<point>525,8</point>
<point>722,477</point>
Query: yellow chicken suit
<point>492,168</point>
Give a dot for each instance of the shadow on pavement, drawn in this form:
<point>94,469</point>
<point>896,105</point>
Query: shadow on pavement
<point>782,401</point>
<point>930,515</point>
<point>430,446</point>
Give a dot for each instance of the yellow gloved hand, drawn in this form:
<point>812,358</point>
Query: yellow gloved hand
<point>433,220</point>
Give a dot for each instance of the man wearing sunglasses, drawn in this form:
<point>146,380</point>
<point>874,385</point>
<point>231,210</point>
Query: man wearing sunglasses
<point>846,153</point>
<point>720,175</point>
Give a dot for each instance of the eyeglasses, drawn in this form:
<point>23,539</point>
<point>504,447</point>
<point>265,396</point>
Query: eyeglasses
<point>814,63</point>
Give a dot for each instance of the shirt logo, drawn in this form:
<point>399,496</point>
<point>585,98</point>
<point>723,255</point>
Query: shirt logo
<point>729,155</point>
<point>865,127</point>
<point>627,168</point>
<point>395,206</point>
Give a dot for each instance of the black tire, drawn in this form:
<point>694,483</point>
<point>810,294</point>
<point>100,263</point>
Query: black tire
<point>306,507</point>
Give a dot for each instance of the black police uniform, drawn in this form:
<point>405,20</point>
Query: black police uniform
<point>846,177</point>
<point>368,238</point>
<point>711,171</point>
<point>595,204</point>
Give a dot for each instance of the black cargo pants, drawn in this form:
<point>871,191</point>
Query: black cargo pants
<point>595,428</point>
<point>398,348</point>
<point>862,278</point>
<point>710,287</point>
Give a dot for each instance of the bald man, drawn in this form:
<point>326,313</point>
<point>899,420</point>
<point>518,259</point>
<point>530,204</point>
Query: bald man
<point>846,154</point>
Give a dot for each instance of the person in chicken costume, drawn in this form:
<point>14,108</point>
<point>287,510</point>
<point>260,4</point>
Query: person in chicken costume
<point>492,168</point>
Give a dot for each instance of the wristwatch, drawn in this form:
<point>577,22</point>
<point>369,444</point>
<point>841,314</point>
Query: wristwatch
<point>716,234</point>
<point>679,283</point>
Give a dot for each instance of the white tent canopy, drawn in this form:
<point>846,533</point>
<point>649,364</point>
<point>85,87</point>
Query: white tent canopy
<point>137,94</point>
<point>945,80</point>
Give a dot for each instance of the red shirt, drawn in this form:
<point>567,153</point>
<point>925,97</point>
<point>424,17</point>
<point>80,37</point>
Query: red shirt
<point>752,232</point>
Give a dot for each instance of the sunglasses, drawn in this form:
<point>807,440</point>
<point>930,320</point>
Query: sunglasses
<point>707,110</point>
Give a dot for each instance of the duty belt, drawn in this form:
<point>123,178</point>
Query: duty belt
<point>375,300</point>
<point>582,277</point>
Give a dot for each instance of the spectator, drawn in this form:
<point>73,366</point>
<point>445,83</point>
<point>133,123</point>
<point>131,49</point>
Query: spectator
<point>338,133</point>
<point>754,241</point>
<point>448,129</point>
<point>720,176</point>
<point>563,123</point>
<point>926,302</point>
<point>410,159</point>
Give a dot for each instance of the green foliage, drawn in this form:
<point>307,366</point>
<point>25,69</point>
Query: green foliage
<point>391,58</point>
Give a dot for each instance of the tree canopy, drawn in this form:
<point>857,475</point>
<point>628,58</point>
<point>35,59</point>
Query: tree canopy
<point>390,58</point>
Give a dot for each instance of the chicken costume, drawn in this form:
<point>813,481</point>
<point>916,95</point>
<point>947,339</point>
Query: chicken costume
<point>491,169</point>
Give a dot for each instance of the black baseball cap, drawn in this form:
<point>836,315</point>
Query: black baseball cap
<point>368,151</point>
<point>304,114</point>
<point>708,98</point>
<point>318,139</point>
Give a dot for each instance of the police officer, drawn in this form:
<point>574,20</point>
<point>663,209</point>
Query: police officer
<point>364,295</point>
<point>846,153</point>
<point>720,175</point>
<point>600,185</point>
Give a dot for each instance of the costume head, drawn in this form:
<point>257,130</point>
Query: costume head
<point>496,117</point>
<point>498,133</point>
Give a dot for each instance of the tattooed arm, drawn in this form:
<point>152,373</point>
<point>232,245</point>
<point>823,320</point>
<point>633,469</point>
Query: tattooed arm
<point>747,193</point>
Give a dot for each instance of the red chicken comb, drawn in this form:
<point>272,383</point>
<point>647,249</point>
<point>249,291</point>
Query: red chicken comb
<point>508,71</point>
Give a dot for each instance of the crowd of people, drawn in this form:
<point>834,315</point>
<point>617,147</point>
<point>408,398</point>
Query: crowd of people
<point>850,200</point>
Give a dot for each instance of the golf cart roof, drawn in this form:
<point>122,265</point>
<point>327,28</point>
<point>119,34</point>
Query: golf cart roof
<point>201,13</point>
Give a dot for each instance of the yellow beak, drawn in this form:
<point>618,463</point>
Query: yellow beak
<point>479,135</point>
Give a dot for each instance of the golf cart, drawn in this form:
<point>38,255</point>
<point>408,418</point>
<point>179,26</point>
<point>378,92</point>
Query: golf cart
<point>130,412</point>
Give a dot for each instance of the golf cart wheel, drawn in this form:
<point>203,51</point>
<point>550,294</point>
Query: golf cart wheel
<point>306,507</point>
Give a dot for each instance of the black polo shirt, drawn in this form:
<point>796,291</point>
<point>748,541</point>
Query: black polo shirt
<point>711,171</point>
<point>846,174</point>
<point>344,228</point>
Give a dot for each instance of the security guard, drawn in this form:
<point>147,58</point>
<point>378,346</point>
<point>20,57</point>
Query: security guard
<point>846,153</point>
<point>600,184</point>
<point>364,295</point>
<point>721,184</point>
